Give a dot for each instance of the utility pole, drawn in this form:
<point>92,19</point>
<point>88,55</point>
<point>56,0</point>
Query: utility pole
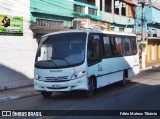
<point>143,21</point>
<point>135,23</point>
<point>143,42</point>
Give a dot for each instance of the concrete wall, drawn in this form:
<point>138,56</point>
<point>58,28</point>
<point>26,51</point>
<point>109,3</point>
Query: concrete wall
<point>17,53</point>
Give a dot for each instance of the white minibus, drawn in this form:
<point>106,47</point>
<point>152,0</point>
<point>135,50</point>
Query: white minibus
<point>84,60</point>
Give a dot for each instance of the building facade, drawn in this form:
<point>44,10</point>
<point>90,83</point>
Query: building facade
<point>111,15</point>
<point>17,46</point>
<point>50,15</point>
<point>119,13</point>
<point>152,32</point>
<point>54,15</point>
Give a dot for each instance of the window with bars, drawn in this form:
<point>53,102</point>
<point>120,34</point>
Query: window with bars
<point>49,23</point>
<point>121,29</point>
<point>78,8</point>
<point>92,11</point>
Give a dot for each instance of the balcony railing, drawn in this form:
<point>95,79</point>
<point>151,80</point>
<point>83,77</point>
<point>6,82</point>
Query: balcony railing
<point>114,18</point>
<point>86,10</point>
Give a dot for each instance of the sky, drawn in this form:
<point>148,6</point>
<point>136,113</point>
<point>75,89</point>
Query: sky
<point>155,3</point>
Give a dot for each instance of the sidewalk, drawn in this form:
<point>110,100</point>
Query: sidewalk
<point>151,65</point>
<point>12,94</point>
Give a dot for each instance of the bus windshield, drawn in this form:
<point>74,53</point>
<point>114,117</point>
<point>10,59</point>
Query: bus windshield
<point>61,50</point>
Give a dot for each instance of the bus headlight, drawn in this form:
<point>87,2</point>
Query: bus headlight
<point>79,74</point>
<point>36,76</point>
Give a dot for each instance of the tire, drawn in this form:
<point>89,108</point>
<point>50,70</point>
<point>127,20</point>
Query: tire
<point>46,94</point>
<point>89,93</point>
<point>123,82</point>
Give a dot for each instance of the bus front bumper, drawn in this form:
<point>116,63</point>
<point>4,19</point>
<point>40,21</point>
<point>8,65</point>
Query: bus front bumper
<point>76,84</point>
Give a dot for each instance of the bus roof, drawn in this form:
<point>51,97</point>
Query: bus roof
<point>92,31</point>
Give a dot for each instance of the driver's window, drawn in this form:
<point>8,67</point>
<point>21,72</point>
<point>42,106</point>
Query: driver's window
<point>93,48</point>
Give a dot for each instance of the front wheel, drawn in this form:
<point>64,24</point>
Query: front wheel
<point>46,94</point>
<point>89,93</point>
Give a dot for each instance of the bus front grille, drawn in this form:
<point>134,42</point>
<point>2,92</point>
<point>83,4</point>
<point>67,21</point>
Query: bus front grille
<point>57,88</point>
<point>57,79</point>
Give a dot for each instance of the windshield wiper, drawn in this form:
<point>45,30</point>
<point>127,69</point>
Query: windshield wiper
<point>51,62</point>
<point>64,60</point>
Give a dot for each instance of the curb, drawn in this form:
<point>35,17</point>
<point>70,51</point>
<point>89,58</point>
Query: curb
<point>151,67</point>
<point>19,96</point>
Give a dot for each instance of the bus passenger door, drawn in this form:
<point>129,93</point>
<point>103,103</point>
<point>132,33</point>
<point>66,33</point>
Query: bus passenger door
<point>94,56</point>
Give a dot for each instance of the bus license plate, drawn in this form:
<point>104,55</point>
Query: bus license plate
<point>56,86</point>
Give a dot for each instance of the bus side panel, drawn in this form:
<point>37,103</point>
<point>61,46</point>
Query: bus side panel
<point>109,79</point>
<point>134,65</point>
<point>112,70</point>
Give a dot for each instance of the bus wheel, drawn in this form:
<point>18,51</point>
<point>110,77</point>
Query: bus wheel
<point>123,82</point>
<point>46,94</point>
<point>89,93</point>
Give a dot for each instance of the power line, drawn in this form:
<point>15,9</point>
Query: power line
<point>46,12</point>
<point>41,4</point>
<point>55,5</point>
<point>47,3</point>
<point>28,6</point>
<point>16,12</point>
<point>151,6</point>
<point>146,13</point>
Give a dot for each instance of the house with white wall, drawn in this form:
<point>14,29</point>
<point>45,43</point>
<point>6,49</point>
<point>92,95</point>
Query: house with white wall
<point>17,45</point>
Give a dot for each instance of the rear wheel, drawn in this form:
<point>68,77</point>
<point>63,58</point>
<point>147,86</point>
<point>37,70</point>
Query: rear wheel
<point>123,82</point>
<point>89,93</point>
<point>46,94</point>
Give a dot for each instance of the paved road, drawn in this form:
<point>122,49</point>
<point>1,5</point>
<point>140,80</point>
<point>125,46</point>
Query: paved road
<point>141,93</point>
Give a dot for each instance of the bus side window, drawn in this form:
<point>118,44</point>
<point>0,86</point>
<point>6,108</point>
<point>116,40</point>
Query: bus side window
<point>114,52</point>
<point>134,46</point>
<point>116,45</point>
<point>107,46</point>
<point>93,48</point>
<point>127,46</point>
